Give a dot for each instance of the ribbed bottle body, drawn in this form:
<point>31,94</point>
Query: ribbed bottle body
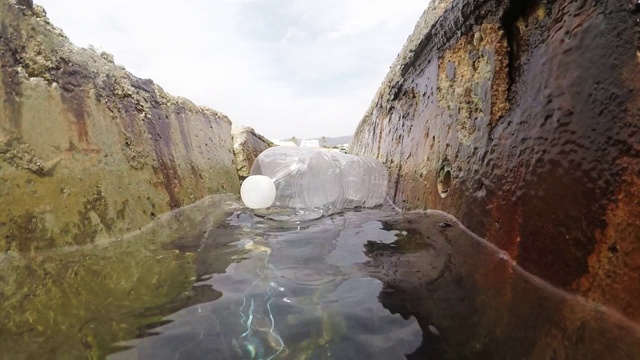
<point>309,183</point>
<point>366,180</point>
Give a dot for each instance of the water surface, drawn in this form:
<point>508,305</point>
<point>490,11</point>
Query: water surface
<point>211,281</point>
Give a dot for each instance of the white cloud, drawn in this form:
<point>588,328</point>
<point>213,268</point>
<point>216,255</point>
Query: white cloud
<point>307,68</point>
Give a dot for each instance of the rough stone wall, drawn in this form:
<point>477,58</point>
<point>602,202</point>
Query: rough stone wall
<point>89,151</point>
<point>247,145</point>
<point>522,119</point>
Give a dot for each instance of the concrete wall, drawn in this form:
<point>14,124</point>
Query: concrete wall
<point>522,120</point>
<point>87,150</point>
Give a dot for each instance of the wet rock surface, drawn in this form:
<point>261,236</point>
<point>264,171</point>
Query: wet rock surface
<point>473,301</point>
<point>87,150</point>
<point>247,145</point>
<point>521,119</point>
<point>79,302</point>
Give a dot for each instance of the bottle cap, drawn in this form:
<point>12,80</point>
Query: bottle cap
<point>258,192</point>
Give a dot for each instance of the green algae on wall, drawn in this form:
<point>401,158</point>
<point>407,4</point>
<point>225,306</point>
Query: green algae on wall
<point>89,151</point>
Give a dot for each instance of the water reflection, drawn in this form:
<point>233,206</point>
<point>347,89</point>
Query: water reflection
<point>474,302</point>
<point>77,302</point>
<point>297,293</point>
<point>371,284</point>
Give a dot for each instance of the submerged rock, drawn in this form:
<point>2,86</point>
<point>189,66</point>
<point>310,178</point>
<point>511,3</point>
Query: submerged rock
<point>247,145</point>
<point>521,119</point>
<point>89,151</point>
<point>79,302</point>
<point>473,301</point>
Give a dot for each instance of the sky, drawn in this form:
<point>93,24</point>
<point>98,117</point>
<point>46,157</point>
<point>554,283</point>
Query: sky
<point>304,68</point>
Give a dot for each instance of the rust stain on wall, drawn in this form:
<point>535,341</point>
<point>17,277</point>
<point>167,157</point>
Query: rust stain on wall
<point>10,82</point>
<point>71,79</point>
<point>164,165</point>
<point>614,265</point>
<point>533,104</point>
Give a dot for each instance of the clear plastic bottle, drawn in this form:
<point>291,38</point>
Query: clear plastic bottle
<point>366,180</point>
<point>296,184</point>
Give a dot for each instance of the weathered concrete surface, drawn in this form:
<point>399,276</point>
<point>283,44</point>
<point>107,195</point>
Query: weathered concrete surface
<point>522,119</point>
<point>87,150</point>
<point>247,145</point>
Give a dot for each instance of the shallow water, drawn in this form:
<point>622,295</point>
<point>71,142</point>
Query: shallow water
<point>294,293</point>
<point>211,281</point>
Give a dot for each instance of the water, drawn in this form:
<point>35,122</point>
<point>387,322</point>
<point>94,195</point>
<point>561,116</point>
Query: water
<point>211,281</point>
<point>295,292</point>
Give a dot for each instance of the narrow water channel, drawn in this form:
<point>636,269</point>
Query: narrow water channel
<point>212,281</point>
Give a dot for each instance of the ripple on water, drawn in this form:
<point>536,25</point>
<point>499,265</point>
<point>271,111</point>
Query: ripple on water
<point>310,275</point>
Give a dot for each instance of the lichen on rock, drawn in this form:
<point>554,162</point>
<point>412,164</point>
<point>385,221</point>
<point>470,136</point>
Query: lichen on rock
<point>473,79</point>
<point>16,152</point>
